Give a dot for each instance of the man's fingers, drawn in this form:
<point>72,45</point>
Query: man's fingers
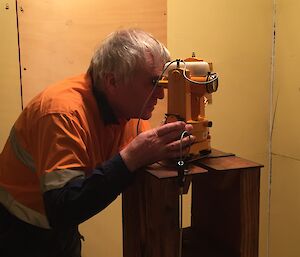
<point>189,128</point>
<point>170,137</point>
<point>173,131</point>
<point>184,143</point>
<point>169,127</point>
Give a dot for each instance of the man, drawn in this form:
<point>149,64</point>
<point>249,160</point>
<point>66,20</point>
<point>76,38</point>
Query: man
<point>73,149</point>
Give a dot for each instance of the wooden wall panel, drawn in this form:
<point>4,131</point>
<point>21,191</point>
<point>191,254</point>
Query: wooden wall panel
<point>224,33</point>
<point>286,96</point>
<point>285,203</point>
<point>59,37</point>
<point>10,93</point>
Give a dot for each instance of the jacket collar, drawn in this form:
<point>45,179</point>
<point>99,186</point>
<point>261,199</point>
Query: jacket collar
<point>106,111</point>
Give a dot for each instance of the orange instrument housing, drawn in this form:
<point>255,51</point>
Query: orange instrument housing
<point>190,85</point>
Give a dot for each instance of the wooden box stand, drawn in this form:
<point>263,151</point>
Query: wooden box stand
<point>224,213</point>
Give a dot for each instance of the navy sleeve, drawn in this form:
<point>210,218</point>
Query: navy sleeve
<point>82,198</point>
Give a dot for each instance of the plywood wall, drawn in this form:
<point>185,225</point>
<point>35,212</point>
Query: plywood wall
<point>10,90</point>
<point>236,36</point>
<point>59,37</point>
<point>285,196</point>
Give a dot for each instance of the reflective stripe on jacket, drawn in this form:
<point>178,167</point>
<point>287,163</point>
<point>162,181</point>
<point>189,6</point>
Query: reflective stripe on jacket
<point>58,137</point>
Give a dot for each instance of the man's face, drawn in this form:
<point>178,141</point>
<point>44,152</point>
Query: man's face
<point>131,96</point>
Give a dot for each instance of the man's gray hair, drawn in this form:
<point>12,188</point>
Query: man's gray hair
<point>123,52</point>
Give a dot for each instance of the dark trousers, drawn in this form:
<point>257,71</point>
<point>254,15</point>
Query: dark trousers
<point>18,238</point>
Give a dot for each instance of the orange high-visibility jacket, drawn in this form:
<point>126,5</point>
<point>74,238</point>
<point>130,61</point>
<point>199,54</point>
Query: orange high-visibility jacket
<point>59,136</point>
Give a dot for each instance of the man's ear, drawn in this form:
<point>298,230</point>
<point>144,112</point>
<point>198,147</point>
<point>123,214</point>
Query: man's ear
<point>110,82</point>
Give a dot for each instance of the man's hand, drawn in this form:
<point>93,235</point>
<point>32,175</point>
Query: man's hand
<point>157,144</point>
